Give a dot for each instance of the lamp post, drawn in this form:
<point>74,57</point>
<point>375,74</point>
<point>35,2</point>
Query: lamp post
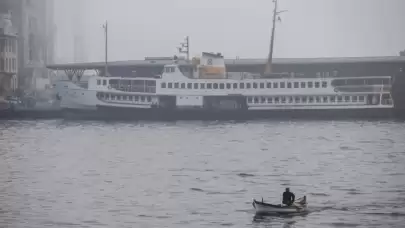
<point>105,26</point>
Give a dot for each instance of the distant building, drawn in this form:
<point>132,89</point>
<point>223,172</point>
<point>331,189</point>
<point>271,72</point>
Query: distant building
<point>33,20</point>
<point>8,56</point>
<point>71,35</point>
<point>402,53</point>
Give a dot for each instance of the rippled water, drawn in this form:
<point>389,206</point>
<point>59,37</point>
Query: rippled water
<point>198,174</point>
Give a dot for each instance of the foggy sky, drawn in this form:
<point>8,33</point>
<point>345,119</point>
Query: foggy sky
<point>310,28</point>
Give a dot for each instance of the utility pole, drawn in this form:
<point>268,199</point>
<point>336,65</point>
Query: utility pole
<point>105,26</point>
<point>268,69</point>
<point>185,48</point>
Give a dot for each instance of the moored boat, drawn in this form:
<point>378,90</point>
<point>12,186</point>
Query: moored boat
<point>299,206</point>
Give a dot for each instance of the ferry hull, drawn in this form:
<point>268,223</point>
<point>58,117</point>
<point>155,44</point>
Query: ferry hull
<point>114,113</point>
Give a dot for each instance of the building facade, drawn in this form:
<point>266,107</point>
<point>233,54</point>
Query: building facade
<point>33,20</point>
<point>8,56</point>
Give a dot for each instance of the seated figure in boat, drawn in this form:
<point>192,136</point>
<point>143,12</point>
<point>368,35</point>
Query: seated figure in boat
<point>288,197</point>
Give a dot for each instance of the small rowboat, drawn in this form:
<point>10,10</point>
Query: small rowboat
<point>299,206</point>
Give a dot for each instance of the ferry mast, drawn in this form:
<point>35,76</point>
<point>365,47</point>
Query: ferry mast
<point>268,68</point>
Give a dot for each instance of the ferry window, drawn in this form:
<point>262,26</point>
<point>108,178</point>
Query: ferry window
<point>215,85</point>
<point>256,100</point>
<point>261,85</point>
<point>169,85</point>
<point>340,99</point>
<point>98,82</point>
<point>254,85</point>
<point>119,98</point>
<point>275,85</point>
<point>303,85</point>
<point>131,98</point>
<point>125,98</point>
<point>347,98</point>
<point>163,85</point>
<point>311,99</point>
<point>310,84</point>
<point>104,82</point>
<point>269,100</point>
<point>235,85</point>
<point>276,100</point>
<point>290,100</point>
<point>250,100</point>
<point>195,85</point>
<point>173,69</point>
<point>149,99</point>
<point>222,86</point>
<point>112,97</point>
<point>283,100</point>
<point>361,98</point>
<point>318,100</point>
<point>176,85</point>
<point>289,85</point>
<point>189,85</point>
<point>202,86</point>
<point>142,99</point>
<point>248,86</point>
<point>304,99</point>
<point>183,85</point>
<point>136,98</point>
<point>209,86</point>
<point>296,85</point>
<point>333,99</point>
<point>325,99</point>
<point>282,84</point>
<point>297,99</point>
<point>316,84</point>
<point>324,84</point>
<point>269,85</point>
<point>354,98</point>
<point>228,85</point>
<point>263,100</point>
<point>241,85</point>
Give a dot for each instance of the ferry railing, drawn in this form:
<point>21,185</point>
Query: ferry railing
<point>135,88</point>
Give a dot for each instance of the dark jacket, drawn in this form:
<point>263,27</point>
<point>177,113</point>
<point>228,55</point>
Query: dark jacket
<point>288,198</point>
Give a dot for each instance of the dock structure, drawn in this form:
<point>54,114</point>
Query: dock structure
<point>309,67</point>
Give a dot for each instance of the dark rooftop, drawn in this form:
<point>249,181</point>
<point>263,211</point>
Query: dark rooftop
<point>228,62</point>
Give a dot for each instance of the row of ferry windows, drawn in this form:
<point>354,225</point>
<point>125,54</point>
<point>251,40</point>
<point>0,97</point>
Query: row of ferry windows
<point>306,99</point>
<point>124,97</point>
<point>243,85</point>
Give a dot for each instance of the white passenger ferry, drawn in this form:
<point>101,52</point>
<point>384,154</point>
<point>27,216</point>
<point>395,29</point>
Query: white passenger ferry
<point>204,90</point>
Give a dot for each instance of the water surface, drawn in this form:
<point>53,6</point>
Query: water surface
<point>200,174</point>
